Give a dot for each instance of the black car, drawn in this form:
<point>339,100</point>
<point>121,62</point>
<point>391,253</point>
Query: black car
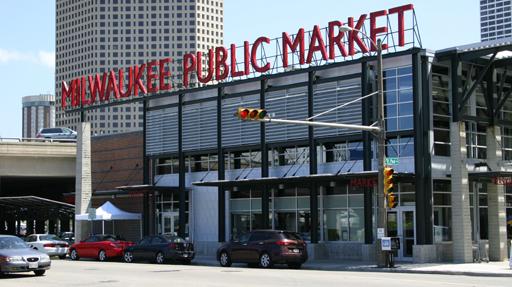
<point>159,249</point>
<point>266,248</point>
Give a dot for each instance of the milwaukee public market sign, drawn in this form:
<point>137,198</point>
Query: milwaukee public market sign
<point>324,44</point>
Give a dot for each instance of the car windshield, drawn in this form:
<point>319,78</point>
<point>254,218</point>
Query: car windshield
<point>110,237</point>
<point>174,239</point>
<point>49,237</point>
<point>12,243</point>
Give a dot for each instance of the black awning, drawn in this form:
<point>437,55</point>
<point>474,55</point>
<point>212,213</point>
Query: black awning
<point>298,179</point>
<point>489,175</point>
<point>145,188</point>
<point>34,203</point>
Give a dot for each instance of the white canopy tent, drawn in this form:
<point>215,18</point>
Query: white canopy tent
<point>110,212</point>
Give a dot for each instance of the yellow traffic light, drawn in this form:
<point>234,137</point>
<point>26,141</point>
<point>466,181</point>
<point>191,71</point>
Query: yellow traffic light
<point>389,184</point>
<point>252,114</point>
<point>392,200</point>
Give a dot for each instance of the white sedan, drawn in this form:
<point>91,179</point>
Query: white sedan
<point>48,243</point>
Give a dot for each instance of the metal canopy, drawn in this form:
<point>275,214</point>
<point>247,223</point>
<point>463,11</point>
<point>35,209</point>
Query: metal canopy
<point>34,203</point>
<point>297,179</point>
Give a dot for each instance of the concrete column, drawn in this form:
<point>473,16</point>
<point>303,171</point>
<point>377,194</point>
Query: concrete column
<point>497,213</point>
<point>461,218</point>
<point>83,189</point>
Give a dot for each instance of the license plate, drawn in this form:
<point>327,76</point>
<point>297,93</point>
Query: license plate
<point>32,265</point>
<point>296,250</point>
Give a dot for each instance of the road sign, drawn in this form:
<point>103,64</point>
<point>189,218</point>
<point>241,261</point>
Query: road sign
<point>385,243</point>
<point>392,161</point>
<point>380,233</point>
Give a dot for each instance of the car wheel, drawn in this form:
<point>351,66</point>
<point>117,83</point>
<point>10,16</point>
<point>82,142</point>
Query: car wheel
<point>265,260</point>
<point>224,259</point>
<point>39,272</point>
<point>62,256</point>
<point>74,255</point>
<point>102,255</point>
<point>159,258</point>
<point>128,257</point>
<point>294,265</point>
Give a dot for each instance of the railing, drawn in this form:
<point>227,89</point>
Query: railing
<point>22,140</point>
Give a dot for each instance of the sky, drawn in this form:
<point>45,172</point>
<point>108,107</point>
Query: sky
<point>27,35</point>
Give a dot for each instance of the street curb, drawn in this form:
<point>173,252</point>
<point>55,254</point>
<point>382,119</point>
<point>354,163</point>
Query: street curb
<point>211,262</point>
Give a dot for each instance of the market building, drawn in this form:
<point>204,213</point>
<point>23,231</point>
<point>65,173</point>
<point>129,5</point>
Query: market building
<point>448,120</point>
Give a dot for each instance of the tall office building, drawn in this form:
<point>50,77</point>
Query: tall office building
<point>38,113</point>
<point>96,36</point>
<point>495,19</point>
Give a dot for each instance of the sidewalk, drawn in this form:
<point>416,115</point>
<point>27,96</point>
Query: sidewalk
<point>497,269</point>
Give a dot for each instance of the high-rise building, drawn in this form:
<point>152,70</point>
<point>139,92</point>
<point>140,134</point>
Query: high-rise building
<point>96,36</point>
<point>38,113</point>
<point>495,19</point>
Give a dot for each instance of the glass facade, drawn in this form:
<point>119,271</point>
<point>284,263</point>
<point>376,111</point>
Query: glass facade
<point>398,106</point>
<point>343,213</point>
<point>441,110</point>
<point>167,207</point>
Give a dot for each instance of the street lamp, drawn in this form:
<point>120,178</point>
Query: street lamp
<point>382,257</point>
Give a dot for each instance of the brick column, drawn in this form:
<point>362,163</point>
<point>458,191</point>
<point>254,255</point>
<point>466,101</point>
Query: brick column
<point>83,189</point>
<point>497,213</point>
<point>461,218</point>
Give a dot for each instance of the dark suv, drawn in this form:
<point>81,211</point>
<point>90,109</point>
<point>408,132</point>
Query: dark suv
<point>266,248</point>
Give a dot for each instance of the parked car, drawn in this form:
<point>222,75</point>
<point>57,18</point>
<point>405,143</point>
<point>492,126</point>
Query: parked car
<point>266,248</point>
<point>159,249</point>
<point>17,256</point>
<point>67,236</point>
<point>100,246</point>
<point>48,243</point>
<point>57,133</point>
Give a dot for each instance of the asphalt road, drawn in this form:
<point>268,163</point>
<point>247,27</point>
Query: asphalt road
<point>91,273</point>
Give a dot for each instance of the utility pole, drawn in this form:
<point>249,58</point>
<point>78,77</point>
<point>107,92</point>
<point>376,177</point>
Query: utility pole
<point>382,257</point>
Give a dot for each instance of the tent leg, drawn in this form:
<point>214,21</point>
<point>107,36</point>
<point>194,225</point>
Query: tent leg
<point>140,225</point>
<point>103,227</point>
<point>113,228</point>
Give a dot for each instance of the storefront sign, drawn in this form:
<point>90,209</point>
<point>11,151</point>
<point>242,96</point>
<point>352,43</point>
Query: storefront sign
<point>363,182</point>
<point>498,180</point>
<point>223,63</point>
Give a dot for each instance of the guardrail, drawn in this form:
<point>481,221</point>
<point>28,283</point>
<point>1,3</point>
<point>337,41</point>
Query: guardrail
<point>21,140</point>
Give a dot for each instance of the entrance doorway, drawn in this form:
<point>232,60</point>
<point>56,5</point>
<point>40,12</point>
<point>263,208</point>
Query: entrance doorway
<point>401,224</point>
<point>170,223</point>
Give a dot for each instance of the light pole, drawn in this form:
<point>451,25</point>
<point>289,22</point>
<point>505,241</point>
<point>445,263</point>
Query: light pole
<point>382,257</point>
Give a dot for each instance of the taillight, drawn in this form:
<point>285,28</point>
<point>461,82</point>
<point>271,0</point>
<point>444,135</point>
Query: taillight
<point>172,245</point>
<point>285,242</point>
<point>49,245</point>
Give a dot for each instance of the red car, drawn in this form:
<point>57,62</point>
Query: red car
<point>100,246</point>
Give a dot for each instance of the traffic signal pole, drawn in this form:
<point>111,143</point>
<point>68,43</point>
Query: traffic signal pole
<point>382,257</point>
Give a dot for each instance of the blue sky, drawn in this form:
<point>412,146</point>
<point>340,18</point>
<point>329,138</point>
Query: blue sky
<point>27,35</point>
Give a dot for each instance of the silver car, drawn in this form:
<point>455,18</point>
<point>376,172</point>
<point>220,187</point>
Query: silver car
<point>17,256</point>
<point>57,133</point>
<point>48,243</point>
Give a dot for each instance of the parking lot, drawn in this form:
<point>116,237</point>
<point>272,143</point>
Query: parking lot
<point>94,273</point>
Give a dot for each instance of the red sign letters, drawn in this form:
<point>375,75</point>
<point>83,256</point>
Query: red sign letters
<point>154,76</point>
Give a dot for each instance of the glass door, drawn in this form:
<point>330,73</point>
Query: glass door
<point>401,223</point>
<point>170,223</point>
